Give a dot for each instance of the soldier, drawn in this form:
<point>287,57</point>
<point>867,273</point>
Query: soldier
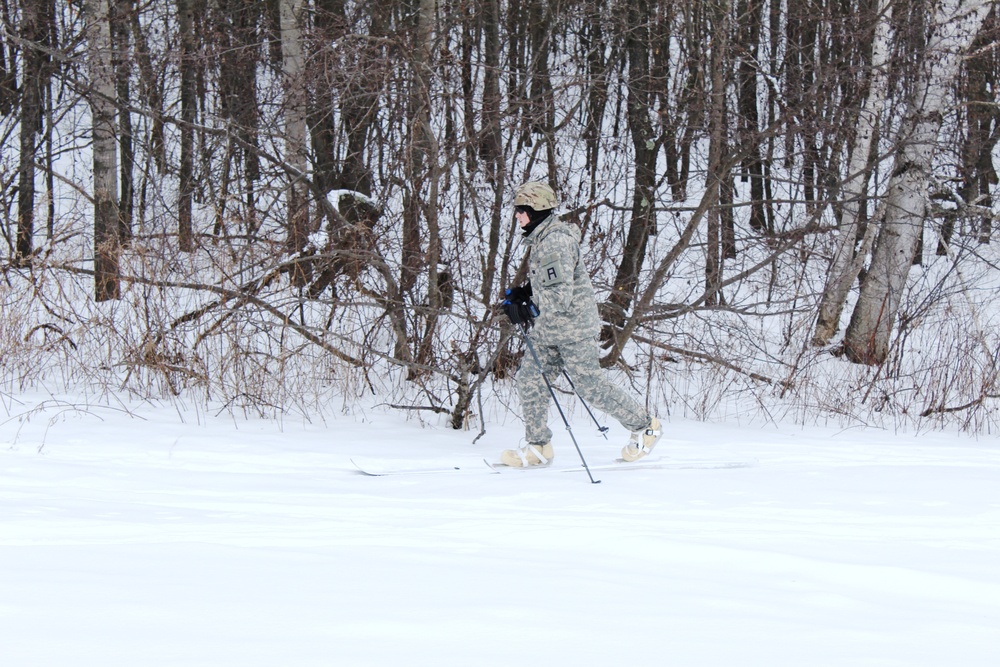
<point>564,333</point>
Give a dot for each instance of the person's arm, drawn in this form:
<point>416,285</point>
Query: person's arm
<point>554,278</point>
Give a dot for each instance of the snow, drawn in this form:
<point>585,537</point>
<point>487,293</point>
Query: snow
<point>161,534</point>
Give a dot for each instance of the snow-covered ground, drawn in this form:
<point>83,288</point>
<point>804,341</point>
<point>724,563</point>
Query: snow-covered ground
<point>151,535</point>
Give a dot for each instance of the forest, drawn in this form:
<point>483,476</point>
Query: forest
<point>291,206</point>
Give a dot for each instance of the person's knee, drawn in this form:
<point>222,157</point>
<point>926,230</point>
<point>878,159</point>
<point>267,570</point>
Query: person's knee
<point>528,381</point>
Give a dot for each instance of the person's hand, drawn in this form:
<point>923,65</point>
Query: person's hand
<point>519,307</point>
<point>520,294</point>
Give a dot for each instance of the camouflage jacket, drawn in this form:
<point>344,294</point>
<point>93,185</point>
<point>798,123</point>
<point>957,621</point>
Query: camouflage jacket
<point>561,285</point>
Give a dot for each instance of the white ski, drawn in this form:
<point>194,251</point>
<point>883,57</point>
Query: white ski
<point>381,467</point>
<point>658,463</point>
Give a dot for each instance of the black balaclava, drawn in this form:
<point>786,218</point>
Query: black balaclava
<point>536,217</point>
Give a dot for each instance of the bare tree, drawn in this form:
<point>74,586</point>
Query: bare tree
<point>491,143</point>
<point>425,166</point>
<point>954,25</point>
<point>642,220</point>
<point>846,261</point>
<point>8,78</point>
<point>978,87</point>
<point>36,21</point>
<point>122,62</point>
<point>107,244</point>
<point>433,108</point>
<point>293,77</point>
<point>188,55</point>
<point>237,32</point>
<point>151,98</point>
<point>718,171</point>
<point>750,22</point>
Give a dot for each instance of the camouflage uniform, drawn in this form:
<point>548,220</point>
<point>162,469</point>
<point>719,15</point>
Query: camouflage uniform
<point>565,334</point>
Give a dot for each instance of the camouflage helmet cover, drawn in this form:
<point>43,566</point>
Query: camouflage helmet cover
<point>537,195</point>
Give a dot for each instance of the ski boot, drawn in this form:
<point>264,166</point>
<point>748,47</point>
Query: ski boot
<point>528,456</point>
<point>642,442</point>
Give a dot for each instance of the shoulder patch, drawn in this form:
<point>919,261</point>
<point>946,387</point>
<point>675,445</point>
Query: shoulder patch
<point>549,271</point>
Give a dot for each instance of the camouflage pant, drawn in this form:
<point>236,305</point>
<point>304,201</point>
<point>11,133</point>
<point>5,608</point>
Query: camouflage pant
<point>580,361</point>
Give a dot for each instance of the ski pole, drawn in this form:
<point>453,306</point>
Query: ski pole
<point>552,393</point>
<point>602,429</point>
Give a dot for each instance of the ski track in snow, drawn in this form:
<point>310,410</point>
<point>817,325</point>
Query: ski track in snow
<point>166,538</point>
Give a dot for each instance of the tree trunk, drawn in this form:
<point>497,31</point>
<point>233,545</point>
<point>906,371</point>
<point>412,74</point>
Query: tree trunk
<point>102,95</point>
<point>295,135</point>
<point>691,103</point>
<point>185,20</point>
<point>123,72</point>
<point>359,107</point>
<point>846,262</point>
<point>422,148</point>
<point>595,83</point>
<point>978,174</point>
<point>541,98</point>
<point>751,19</point>
<point>491,141</point>
<point>716,152</point>
<point>427,147</point>
<point>8,82</point>
<point>35,19</point>
<point>955,25</point>
<point>328,27</point>
<point>152,97</point>
<point>643,215</point>
<point>236,31</point>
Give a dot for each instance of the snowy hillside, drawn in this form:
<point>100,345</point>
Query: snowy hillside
<point>151,535</point>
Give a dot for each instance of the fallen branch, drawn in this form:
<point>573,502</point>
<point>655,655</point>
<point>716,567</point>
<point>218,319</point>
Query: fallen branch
<point>701,356</point>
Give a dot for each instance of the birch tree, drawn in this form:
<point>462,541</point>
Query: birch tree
<point>295,131</point>
<point>955,25</point>
<point>105,156</point>
<point>846,262</point>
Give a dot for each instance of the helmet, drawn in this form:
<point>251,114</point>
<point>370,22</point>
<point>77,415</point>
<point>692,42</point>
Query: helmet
<point>537,195</point>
